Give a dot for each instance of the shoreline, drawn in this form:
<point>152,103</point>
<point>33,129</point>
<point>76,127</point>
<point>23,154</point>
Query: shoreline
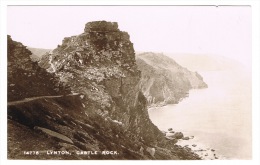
<point>187,142</point>
<point>203,151</point>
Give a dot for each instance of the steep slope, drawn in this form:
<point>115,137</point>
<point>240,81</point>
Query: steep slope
<point>25,77</point>
<point>107,111</point>
<point>163,81</point>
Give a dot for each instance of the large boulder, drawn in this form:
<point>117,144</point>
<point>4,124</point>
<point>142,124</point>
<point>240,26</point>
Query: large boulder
<point>178,135</point>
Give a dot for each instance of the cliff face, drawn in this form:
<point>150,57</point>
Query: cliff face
<point>163,81</point>
<point>25,77</point>
<point>100,64</point>
<point>106,112</point>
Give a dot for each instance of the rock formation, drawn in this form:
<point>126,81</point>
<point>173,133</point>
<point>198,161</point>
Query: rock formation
<point>106,112</point>
<point>163,81</point>
<point>100,64</point>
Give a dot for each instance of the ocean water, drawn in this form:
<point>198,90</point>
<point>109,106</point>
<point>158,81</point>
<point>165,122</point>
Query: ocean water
<point>219,117</point>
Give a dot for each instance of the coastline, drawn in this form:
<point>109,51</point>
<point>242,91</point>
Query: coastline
<point>191,144</point>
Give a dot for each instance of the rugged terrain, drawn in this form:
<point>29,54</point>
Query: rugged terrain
<point>26,78</point>
<point>163,81</point>
<point>89,100</point>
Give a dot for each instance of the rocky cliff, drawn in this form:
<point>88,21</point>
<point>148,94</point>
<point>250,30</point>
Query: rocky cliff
<point>105,112</point>
<point>163,81</point>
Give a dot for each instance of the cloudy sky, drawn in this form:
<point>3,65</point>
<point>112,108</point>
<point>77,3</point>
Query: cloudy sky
<point>223,30</point>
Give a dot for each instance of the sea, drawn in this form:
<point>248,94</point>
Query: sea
<point>219,117</point>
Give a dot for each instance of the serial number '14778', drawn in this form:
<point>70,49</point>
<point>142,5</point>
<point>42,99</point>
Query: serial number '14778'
<point>31,152</point>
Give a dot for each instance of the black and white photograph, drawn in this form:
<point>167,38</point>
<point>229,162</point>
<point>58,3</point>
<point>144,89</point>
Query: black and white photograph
<point>129,82</point>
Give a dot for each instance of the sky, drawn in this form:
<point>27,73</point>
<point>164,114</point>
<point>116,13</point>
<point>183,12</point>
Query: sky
<point>223,30</point>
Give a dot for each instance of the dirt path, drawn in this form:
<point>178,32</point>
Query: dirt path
<point>36,98</point>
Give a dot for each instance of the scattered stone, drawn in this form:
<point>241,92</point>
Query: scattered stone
<point>81,96</point>
<point>194,145</point>
<point>142,150</point>
<point>170,129</point>
<point>178,135</point>
<point>174,141</point>
<point>168,138</point>
<point>117,122</point>
<point>151,151</point>
<point>171,140</point>
<point>212,150</point>
<point>83,105</point>
<point>164,133</point>
<point>185,138</point>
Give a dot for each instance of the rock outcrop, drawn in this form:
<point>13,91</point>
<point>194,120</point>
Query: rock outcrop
<point>100,64</point>
<point>163,81</point>
<point>106,112</point>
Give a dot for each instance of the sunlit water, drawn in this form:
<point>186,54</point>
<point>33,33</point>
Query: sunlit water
<point>219,117</point>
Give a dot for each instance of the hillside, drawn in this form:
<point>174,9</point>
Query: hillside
<point>37,53</point>
<point>25,77</point>
<point>105,114</point>
<point>163,81</point>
